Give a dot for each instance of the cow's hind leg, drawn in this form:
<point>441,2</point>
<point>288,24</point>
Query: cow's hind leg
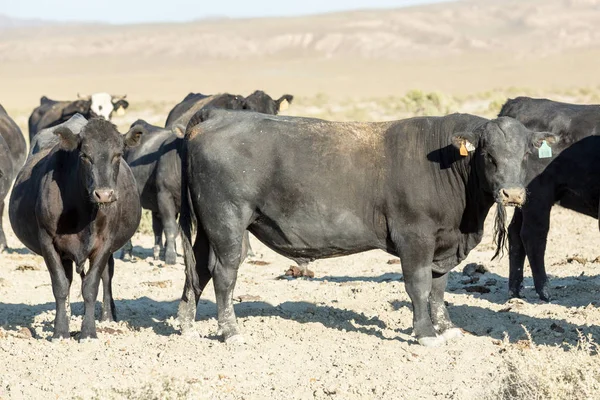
<point>89,289</point>
<point>3,244</point>
<point>168,214</point>
<point>439,312</point>
<point>157,229</point>
<point>108,303</point>
<point>196,278</point>
<point>127,251</point>
<point>516,253</point>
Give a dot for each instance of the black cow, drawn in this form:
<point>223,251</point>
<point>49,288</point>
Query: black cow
<point>258,101</point>
<point>569,177</point>
<point>13,151</point>
<point>313,189</point>
<point>14,138</point>
<point>156,164</point>
<point>51,112</point>
<point>76,200</point>
<point>262,102</point>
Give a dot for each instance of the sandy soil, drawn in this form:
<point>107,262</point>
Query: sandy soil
<point>344,334</point>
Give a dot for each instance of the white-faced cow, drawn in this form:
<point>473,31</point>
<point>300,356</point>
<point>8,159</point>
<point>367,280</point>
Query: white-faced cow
<point>76,200</point>
<point>51,112</point>
<point>156,163</point>
<point>569,177</point>
<point>419,189</point>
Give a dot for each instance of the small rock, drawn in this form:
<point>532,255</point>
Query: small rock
<point>24,268</point>
<point>577,258</point>
<point>505,309</point>
<point>258,262</point>
<point>247,297</point>
<point>393,261</point>
<point>110,331</point>
<point>159,284</point>
<point>477,289</point>
<point>473,268</point>
<point>470,280</point>
<point>24,333</point>
<point>557,328</point>
<point>296,272</point>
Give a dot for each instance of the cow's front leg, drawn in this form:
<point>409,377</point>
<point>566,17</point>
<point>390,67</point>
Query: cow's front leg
<point>439,312</point>
<point>416,254</point>
<point>60,285</point>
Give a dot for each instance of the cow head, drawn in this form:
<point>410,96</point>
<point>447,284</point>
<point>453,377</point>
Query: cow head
<point>501,148</point>
<point>261,102</point>
<point>228,101</point>
<point>104,104</point>
<point>99,147</point>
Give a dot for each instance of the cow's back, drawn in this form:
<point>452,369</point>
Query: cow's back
<point>188,102</point>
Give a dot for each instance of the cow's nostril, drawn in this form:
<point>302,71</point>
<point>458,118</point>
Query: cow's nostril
<point>505,193</point>
<point>104,196</point>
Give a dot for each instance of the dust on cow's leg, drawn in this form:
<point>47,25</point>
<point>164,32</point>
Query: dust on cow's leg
<point>516,255</point>
<point>439,313</point>
<point>416,254</point>
<point>157,229</point>
<point>108,303</point>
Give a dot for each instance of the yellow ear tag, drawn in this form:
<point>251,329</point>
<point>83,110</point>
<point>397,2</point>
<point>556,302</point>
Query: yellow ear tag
<point>120,111</point>
<point>463,150</point>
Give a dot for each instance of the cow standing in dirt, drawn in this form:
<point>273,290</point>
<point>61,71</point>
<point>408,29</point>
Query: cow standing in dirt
<point>76,200</point>
<point>568,177</point>
<point>419,188</point>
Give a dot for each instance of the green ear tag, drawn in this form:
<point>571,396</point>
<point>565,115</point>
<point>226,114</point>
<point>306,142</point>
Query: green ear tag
<point>545,151</point>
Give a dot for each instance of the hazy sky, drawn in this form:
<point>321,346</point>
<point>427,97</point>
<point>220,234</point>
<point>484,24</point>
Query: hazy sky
<point>128,11</point>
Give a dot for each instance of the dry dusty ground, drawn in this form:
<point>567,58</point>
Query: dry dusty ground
<point>344,334</point>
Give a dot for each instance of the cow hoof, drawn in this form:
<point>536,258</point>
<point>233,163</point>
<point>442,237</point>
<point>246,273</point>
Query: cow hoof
<point>236,339</point>
<point>88,339</point>
<point>452,333</point>
<point>432,341</point>
<point>170,258</point>
<point>545,296</point>
<point>156,253</point>
<point>126,257</point>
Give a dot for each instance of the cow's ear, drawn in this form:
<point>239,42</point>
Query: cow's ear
<point>284,102</point>
<point>68,140</point>
<point>134,136</point>
<point>178,130</point>
<point>465,141</point>
<point>539,137</point>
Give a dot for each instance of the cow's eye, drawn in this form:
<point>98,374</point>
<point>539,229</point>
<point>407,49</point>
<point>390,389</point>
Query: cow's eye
<point>116,158</point>
<point>86,158</point>
<point>490,159</point>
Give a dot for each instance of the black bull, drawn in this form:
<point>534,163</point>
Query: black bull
<point>311,189</point>
<point>569,177</point>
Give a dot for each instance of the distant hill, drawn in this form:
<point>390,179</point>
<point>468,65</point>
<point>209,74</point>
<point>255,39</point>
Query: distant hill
<point>522,28</point>
<point>7,22</point>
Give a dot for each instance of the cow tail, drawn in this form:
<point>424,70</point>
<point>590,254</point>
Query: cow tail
<point>187,218</point>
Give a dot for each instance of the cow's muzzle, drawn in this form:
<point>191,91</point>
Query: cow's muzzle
<point>104,196</point>
<point>511,196</point>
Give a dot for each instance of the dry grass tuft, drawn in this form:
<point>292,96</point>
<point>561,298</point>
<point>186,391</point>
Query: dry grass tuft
<point>536,372</point>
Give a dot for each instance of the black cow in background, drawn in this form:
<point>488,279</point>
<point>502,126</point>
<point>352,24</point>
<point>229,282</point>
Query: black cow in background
<point>14,138</point>
<point>569,177</point>
<point>51,112</point>
<point>13,151</point>
<point>156,163</point>
<point>76,200</point>
<point>312,189</point>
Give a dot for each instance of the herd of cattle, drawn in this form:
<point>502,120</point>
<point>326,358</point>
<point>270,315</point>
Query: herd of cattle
<point>418,188</point>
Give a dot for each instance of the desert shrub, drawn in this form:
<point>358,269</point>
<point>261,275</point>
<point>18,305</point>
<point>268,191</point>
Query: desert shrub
<point>541,373</point>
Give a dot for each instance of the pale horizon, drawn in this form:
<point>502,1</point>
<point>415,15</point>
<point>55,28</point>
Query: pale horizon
<point>129,12</point>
